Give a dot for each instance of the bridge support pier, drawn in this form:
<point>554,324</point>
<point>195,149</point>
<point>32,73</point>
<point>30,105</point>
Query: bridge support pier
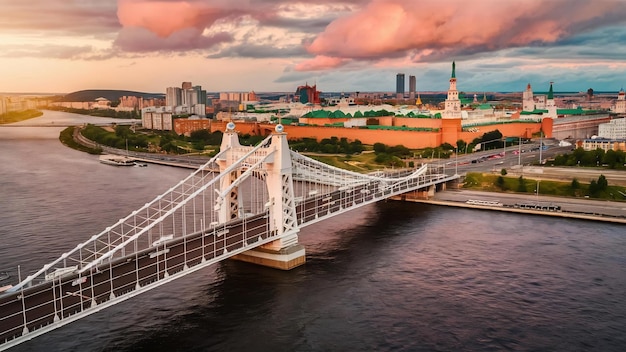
<point>285,252</point>
<point>431,191</point>
<point>285,258</point>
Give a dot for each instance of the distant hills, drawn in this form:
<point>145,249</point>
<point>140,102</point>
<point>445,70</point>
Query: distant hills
<point>112,95</point>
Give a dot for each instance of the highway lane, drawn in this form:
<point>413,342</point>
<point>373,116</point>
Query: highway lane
<point>575,205</point>
<point>525,164</point>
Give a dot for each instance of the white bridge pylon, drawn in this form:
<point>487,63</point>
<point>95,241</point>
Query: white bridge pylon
<point>252,211</point>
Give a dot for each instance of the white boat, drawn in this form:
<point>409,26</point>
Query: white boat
<point>117,160</point>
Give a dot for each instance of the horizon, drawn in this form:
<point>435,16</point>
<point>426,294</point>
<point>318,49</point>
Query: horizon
<point>38,94</point>
<point>276,46</point>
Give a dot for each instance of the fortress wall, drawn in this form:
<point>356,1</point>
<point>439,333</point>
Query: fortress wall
<point>321,121</point>
<point>410,139</point>
<point>417,122</point>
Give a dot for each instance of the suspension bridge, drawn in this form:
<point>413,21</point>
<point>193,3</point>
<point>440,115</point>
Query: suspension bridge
<point>252,210</point>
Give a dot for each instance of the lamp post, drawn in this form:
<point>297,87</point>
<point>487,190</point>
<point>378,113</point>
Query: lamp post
<point>519,151</point>
<point>456,160</point>
<point>540,145</point>
<point>537,190</point>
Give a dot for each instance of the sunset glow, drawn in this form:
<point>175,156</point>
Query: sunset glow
<point>349,45</point>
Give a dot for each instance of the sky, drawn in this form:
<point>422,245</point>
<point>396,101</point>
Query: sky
<point>61,46</point>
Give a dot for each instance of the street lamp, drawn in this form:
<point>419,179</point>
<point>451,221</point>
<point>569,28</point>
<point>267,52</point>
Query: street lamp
<point>537,190</point>
<point>456,160</point>
<point>540,145</point>
<point>519,151</point>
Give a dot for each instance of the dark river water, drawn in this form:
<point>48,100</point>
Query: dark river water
<point>387,277</point>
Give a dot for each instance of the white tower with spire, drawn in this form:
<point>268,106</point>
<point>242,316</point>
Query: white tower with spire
<point>528,100</point>
<point>620,104</point>
<point>453,104</point>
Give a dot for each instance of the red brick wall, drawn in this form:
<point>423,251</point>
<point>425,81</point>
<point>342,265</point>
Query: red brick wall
<point>450,132</point>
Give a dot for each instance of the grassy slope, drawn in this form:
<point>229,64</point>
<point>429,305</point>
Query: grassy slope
<point>490,183</point>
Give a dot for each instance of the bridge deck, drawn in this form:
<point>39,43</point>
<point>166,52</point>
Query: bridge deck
<point>51,304</point>
<point>189,227</point>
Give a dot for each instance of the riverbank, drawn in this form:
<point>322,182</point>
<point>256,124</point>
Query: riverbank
<point>584,209</point>
<point>18,116</point>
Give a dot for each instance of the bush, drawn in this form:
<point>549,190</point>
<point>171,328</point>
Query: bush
<point>500,183</point>
<point>521,185</point>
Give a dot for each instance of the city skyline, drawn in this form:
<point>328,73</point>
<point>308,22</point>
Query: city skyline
<point>142,45</point>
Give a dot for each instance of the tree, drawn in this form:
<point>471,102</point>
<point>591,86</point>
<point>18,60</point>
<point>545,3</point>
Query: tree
<point>399,150</point>
<point>461,145</point>
<point>575,184</point>
<point>578,155</point>
<point>602,183</point>
<point>599,155</point>
<point>590,93</point>
<point>122,131</point>
<point>503,172</point>
<point>379,148</point>
<point>200,135</point>
<point>198,145</point>
<point>610,158</point>
<point>491,139</point>
<point>446,146</point>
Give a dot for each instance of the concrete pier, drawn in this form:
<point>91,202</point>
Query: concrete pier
<point>284,258</point>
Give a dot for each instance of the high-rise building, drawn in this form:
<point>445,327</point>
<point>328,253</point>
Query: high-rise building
<point>186,85</point>
<point>173,96</point>
<point>400,85</point>
<point>307,94</point>
<point>412,86</point>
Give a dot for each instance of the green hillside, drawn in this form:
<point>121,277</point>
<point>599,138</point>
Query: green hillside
<point>112,95</point>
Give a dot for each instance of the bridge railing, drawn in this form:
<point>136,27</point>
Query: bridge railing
<point>188,206</point>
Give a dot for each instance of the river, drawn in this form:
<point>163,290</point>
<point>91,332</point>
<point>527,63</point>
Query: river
<point>388,277</point>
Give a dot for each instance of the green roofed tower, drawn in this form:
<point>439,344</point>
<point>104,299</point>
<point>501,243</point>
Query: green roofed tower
<point>550,92</point>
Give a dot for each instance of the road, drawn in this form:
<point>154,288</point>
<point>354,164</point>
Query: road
<point>573,205</point>
<point>521,164</point>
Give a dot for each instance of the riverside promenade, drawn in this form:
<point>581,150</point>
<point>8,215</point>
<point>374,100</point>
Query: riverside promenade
<point>575,208</point>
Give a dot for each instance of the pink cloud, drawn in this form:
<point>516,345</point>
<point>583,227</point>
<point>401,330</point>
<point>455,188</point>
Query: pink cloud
<point>320,62</point>
<point>392,28</point>
<point>141,40</point>
<point>167,17</point>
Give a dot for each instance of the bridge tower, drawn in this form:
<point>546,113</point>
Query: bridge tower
<point>284,253</point>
